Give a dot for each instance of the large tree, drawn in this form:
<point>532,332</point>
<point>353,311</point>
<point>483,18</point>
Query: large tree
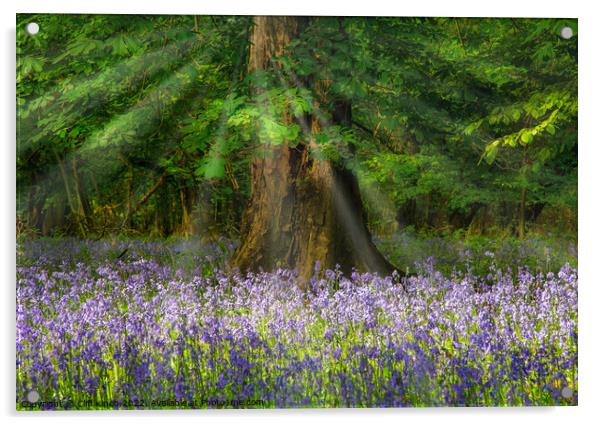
<point>303,208</point>
<point>144,125</point>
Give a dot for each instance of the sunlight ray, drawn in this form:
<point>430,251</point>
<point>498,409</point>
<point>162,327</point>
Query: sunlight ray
<point>118,132</point>
<point>375,198</point>
<point>65,103</point>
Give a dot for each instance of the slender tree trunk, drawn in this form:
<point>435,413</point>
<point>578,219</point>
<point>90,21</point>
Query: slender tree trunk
<point>35,205</point>
<point>204,217</point>
<point>127,222</point>
<point>522,207</point>
<point>75,212</point>
<point>302,210</point>
<point>186,206</point>
<point>32,210</point>
<point>521,214</point>
<point>83,204</point>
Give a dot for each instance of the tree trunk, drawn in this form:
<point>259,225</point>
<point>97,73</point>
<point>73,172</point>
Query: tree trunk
<point>522,207</point>
<point>35,205</point>
<point>186,222</point>
<point>521,214</point>
<point>83,205</point>
<point>302,210</point>
<point>75,211</point>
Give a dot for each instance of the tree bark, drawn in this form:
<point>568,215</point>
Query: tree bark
<point>186,203</point>
<point>83,205</point>
<point>521,214</point>
<point>302,209</point>
<point>35,205</point>
<point>522,207</point>
<point>75,210</point>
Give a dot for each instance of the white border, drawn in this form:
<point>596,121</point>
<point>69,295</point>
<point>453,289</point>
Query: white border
<point>507,8</point>
<point>590,159</point>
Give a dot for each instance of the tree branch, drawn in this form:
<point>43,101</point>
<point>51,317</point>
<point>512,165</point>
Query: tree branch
<point>373,134</point>
<point>152,190</point>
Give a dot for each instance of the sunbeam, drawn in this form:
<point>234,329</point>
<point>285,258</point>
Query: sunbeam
<point>371,194</point>
<point>75,99</point>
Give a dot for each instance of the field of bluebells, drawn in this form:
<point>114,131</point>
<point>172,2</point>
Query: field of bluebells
<point>134,324</point>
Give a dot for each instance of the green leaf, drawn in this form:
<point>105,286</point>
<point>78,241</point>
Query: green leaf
<point>215,167</point>
<point>491,152</point>
<point>526,137</point>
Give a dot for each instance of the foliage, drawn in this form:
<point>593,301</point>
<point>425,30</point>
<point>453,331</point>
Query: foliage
<point>452,118</point>
<point>472,254</point>
<point>108,105</point>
